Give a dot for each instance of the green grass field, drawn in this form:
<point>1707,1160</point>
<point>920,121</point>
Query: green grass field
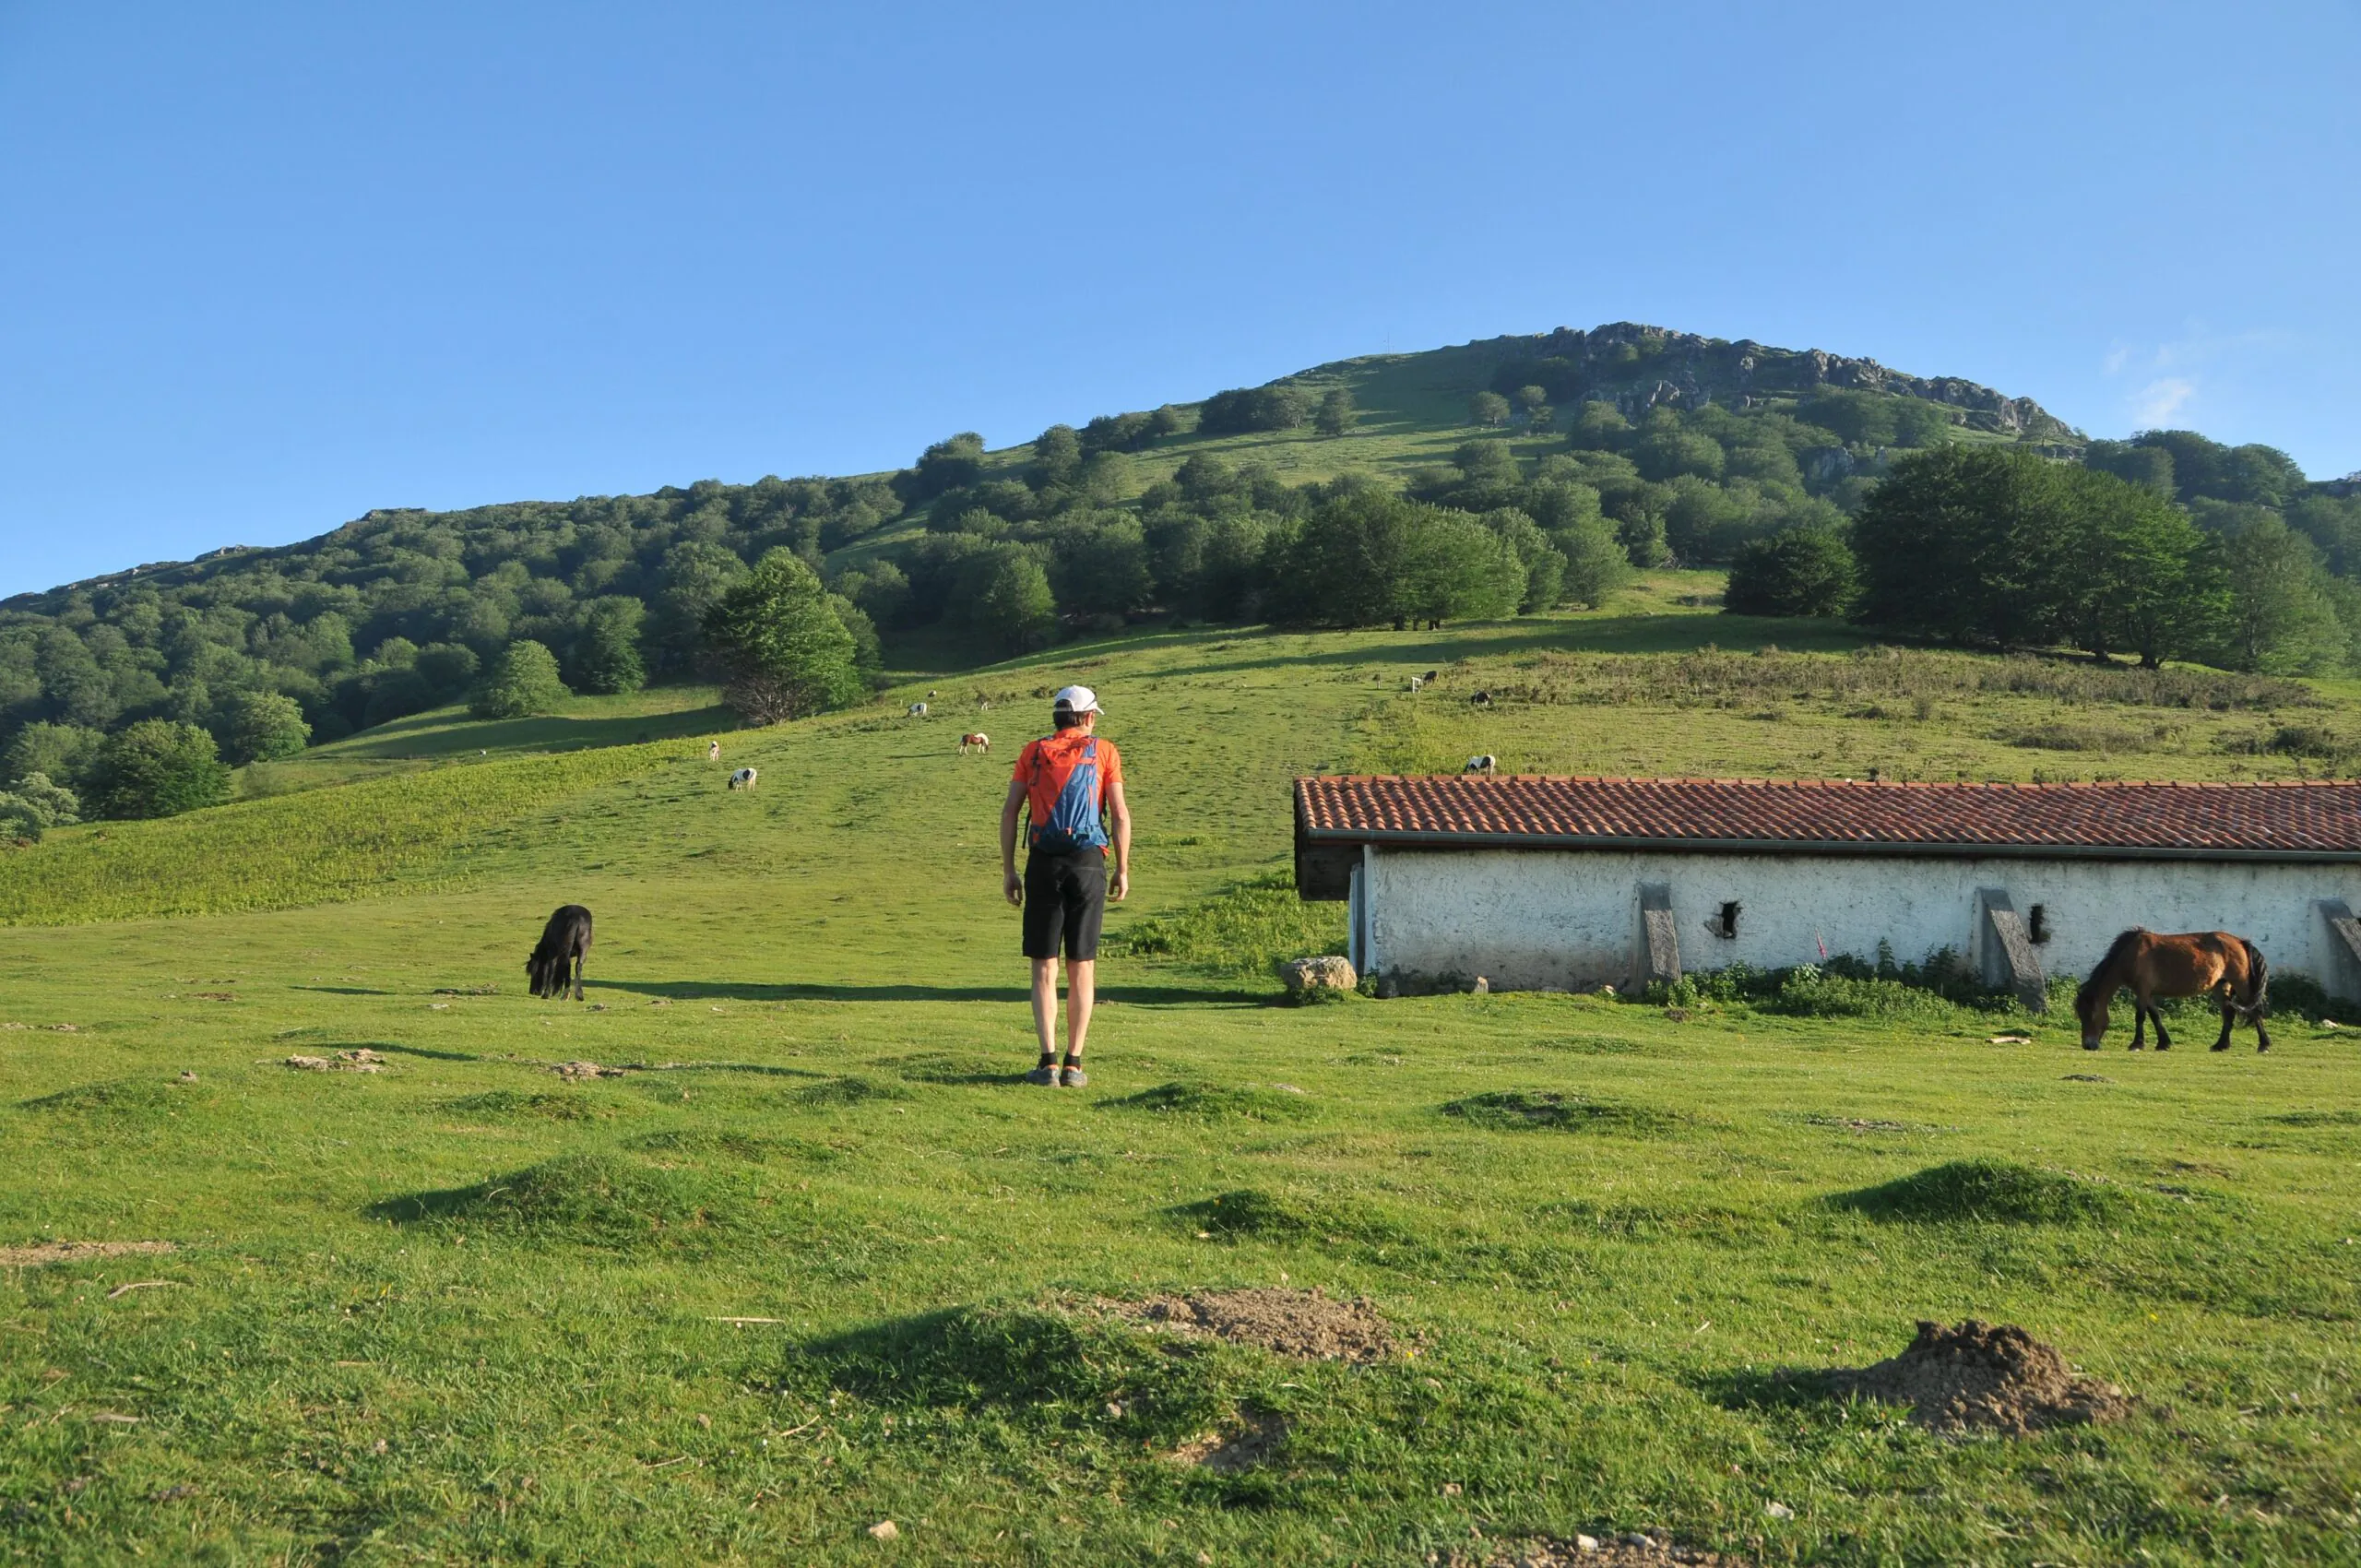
<point>824,1261</point>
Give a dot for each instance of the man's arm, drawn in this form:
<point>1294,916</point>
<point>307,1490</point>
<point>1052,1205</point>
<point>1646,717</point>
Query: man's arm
<point>1011,885</point>
<point>1122,816</point>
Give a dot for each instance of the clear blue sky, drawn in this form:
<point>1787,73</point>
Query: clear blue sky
<point>263,267</point>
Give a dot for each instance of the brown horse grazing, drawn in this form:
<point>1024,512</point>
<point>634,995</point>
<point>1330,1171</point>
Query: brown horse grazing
<point>2195,964</point>
<point>564,947</point>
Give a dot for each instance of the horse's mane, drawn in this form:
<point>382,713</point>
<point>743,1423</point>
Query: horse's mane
<point>2115,951</point>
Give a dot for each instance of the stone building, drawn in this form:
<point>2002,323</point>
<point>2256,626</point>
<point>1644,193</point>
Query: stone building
<point>1572,883</point>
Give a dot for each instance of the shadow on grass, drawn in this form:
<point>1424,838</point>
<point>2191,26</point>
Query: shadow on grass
<point>1059,1368</point>
<point>740,991</point>
<point>342,990</point>
<point>1765,1388</point>
<point>404,1049</point>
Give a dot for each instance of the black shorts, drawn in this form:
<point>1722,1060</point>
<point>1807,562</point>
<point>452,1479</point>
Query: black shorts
<point>1065,895</point>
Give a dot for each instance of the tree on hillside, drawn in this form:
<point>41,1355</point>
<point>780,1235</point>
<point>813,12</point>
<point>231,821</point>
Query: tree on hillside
<point>2280,617</point>
<point>2123,570</point>
<point>157,768</point>
<point>265,726</point>
<point>32,805</point>
<point>1004,597</point>
<point>606,651</point>
<point>784,651</point>
<point>1599,427</point>
<point>1337,415</point>
<point>1596,562</point>
<point>62,753</point>
<point>1488,409</point>
<point>1959,542</point>
<point>1369,557</point>
<point>524,680</point>
<point>954,461</point>
<point>1798,572</point>
<point>1057,456</point>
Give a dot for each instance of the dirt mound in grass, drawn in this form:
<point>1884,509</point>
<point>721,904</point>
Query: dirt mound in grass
<point>1982,1376</point>
<point>1992,1191</point>
<point>1307,1324</point>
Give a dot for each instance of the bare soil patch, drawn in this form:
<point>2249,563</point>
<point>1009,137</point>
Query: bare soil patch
<point>41,1254</point>
<point>362,1060</point>
<point>1257,1437</point>
<point>1307,1325</point>
<point>1982,1376</point>
<point>1628,1550</point>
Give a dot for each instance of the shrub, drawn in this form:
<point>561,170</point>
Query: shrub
<point>158,768</point>
<point>265,726</point>
<point>1799,572</point>
<point>35,805</point>
<point>524,680</point>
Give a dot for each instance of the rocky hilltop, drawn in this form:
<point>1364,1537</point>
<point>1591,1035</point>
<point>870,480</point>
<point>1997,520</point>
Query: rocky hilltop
<point>1638,367</point>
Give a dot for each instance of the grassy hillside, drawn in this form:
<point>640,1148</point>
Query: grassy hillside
<point>823,1261</point>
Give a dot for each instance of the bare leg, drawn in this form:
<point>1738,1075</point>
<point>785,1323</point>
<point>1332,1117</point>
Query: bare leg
<point>1081,994</point>
<point>1045,1005</point>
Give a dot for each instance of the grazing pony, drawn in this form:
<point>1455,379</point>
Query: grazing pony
<point>917,710</point>
<point>1430,676</point>
<point>1481,699</point>
<point>713,751</point>
<point>1486,764</point>
<point>2197,963</point>
<point>743,779</point>
<point>564,947</point>
<point>979,742</point>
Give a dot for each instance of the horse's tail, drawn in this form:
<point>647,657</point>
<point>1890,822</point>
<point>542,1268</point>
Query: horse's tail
<point>2115,954</point>
<point>2257,982</point>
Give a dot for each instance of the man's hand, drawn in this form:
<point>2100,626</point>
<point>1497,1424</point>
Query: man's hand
<point>1121,886</point>
<point>1012,885</point>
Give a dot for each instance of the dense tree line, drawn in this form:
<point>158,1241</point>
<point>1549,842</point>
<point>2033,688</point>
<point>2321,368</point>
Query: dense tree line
<point>2165,546</point>
<point>135,693</point>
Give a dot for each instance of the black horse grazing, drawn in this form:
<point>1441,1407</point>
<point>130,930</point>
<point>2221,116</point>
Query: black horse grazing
<point>566,944</point>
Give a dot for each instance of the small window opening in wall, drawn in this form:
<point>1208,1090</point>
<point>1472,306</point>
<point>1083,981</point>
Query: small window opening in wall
<point>2037,922</point>
<point>1726,923</point>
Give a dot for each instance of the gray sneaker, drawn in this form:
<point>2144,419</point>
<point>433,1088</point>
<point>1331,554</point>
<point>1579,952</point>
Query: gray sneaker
<point>1073,1077</point>
<point>1046,1077</point>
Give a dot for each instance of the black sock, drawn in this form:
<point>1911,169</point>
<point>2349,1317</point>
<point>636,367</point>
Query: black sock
<point>1049,1059</point>
<point>1071,1060</point>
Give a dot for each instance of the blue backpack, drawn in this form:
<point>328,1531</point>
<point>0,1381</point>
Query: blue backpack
<point>1065,810</point>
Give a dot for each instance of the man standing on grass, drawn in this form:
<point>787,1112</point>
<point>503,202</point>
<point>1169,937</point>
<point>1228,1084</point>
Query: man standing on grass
<point>1068,780</point>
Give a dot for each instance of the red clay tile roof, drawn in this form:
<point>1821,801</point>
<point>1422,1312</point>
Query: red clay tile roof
<point>2195,821</point>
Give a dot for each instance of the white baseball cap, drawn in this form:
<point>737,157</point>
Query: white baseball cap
<point>1076,699</point>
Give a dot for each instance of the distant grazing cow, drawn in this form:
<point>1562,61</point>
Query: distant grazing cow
<point>1482,699</point>
<point>743,779</point>
<point>979,742</point>
<point>1430,676</point>
<point>917,710</point>
<point>564,947</point>
<point>1486,764</point>
<point>713,751</point>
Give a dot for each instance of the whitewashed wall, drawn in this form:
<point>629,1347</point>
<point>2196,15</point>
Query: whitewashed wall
<point>1531,918</point>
